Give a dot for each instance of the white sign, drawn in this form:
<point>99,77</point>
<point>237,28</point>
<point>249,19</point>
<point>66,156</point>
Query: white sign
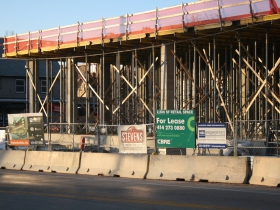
<point>2,140</point>
<point>211,135</point>
<point>132,139</point>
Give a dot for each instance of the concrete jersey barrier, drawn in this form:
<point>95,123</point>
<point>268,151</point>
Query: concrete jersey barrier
<point>199,168</point>
<point>65,162</point>
<point>49,161</point>
<point>12,159</point>
<point>109,164</point>
<point>37,161</point>
<point>266,171</point>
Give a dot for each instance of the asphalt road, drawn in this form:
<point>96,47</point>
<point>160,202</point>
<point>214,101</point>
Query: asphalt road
<point>41,190</point>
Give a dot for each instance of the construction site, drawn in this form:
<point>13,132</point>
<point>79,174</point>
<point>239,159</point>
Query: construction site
<point>218,58</point>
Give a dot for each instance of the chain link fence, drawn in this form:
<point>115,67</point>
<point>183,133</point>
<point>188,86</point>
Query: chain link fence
<point>108,138</point>
<point>250,138</point>
<point>3,138</point>
<point>68,136</point>
<point>256,138</point>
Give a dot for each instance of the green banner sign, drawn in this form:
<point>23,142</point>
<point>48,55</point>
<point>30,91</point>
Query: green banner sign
<point>175,128</point>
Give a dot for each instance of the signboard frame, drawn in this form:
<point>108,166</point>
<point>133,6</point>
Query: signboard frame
<point>175,129</point>
<point>132,139</point>
<point>211,135</point>
<point>26,129</point>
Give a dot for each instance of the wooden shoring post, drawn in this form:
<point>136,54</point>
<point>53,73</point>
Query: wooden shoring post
<point>32,83</point>
<point>27,87</point>
<point>117,88</point>
<point>102,63</point>
<point>109,89</point>
<point>47,93</point>
<point>218,89</point>
<point>251,58</point>
<point>84,92</point>
<point>186,70</point>
<point>186,104</point>
<point>194,74</point>
<point>204,96</point>
<point>142,66</point>
<point>266,78</point>
<point>263,82</point>
<point>264,95</point>
<point>61,91</point>
<point>50,89</point>
<point>174,79</point>
<point>206,62</point>
<point>240,74</point>
<point>87,71</point>
<point>202,99</point>
<point>137,85</point>
<point>150,77</point>
<point>152,101</point>
<point>260,79</point>
<point>51,92</point>
<point>255,78</point>
<point>92,89</point>
<point>180,69</point>
<point>154,85</point>
<point>215,76</point>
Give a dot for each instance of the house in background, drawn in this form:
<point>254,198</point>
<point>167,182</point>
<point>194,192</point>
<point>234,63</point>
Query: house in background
<point>14,88</point>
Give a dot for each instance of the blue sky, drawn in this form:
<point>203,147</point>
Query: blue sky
<point>22,16</point>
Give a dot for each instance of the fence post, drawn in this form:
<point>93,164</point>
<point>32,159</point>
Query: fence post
<point>98,138</point>
<point>235,138</point>
<point>49,136</point>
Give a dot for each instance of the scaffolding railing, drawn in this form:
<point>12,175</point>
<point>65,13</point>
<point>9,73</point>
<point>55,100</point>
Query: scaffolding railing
<point>149,23</point>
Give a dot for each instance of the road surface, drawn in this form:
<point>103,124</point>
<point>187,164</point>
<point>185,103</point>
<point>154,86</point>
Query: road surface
<point>42,191</point>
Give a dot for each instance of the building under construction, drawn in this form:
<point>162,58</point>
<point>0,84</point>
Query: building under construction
<point>218,57</point>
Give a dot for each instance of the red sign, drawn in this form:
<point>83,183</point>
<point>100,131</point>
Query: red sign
<point>56,107</point>
<point>132,135</point>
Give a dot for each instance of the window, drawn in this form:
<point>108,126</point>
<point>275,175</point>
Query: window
<point>20,86</point>
<point>43,86</point>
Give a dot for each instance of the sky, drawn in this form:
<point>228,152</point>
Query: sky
<point>22,16</point>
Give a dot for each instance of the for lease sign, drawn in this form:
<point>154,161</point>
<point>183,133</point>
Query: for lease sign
<point>175,128</point>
